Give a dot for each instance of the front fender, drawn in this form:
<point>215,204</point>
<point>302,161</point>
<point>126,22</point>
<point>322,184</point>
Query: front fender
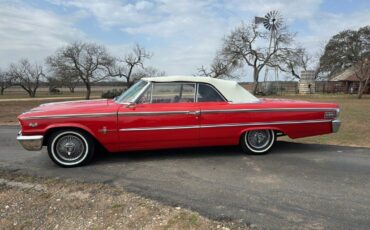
<point>70,125</point>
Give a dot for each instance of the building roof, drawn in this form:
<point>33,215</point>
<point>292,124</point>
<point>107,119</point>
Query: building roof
<point>346,75</point>
<point>231,90</point>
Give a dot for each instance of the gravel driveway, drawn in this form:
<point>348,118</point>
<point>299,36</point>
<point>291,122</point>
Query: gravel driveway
<point>296,185</point>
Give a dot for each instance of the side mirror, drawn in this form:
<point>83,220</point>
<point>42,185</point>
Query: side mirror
<point>131,105</point>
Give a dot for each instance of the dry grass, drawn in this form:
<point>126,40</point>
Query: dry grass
<point>45,94</point>
<point>42,92</point>
<point>9,110</point>
<point>37,203</point>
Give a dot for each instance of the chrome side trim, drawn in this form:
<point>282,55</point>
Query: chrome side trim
<point>70,116</point>
<point>152,113</point>
<point>269,110</point>
<point>228,111</point>
<point>223,125</point>
<point>265,123</point>
<point>160,128</point>
<point>31,143</point>
<point>335,125</point>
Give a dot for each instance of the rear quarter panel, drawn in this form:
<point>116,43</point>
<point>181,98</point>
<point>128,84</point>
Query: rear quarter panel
<point>224,123</point>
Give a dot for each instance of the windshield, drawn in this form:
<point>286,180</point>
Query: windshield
<point>132,92</point>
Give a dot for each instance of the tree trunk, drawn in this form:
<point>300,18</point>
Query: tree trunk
<point>72,89</point>
<point>363,88</point>
<point>31,93</point>
<point>2,91</point>
<point>255,87</point>
<point>255,81</point>
<point>88,91</point>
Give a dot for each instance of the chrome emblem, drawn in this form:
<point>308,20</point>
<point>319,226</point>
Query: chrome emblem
<point>33,125</point>
<point>104,130</point>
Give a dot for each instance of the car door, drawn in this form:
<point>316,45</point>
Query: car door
<point>216,117</point>
<point>164,116</point>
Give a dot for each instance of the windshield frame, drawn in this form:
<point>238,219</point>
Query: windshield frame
<point>136,95</point>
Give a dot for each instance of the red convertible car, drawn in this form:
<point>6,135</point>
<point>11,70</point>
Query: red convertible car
<point>171,112</point>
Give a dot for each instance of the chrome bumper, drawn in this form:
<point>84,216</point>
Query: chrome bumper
<point>31,143</point>
<point>335,126</point>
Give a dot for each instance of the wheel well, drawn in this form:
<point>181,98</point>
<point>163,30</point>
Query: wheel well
<point>52,130</point>
<point>277,132</point>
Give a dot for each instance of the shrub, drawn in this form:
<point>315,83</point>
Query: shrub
<point>110,94</point>
<point>55,91</point>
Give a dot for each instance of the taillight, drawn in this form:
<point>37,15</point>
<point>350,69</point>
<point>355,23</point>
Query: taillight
<point>332,114</point>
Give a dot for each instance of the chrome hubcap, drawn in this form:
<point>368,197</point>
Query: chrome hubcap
<point>70,148</point>
<point>258,139</point>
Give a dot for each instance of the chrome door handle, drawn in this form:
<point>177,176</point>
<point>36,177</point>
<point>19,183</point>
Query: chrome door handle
<point>195,113</point>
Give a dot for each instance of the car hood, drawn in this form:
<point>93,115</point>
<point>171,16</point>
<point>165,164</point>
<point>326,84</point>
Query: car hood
<point>71,104</point>
<point>71,107</point>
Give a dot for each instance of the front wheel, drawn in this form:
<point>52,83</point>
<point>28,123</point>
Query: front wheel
<point>70,148</point>
<point>258,141</point>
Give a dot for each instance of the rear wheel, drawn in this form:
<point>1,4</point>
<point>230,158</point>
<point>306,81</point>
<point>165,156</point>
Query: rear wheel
<point>258,141</point>
<point>70,148</point>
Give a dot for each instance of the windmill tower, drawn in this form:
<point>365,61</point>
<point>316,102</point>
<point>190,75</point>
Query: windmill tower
<point>272,21</point>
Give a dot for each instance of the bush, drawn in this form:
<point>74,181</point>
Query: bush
<point>110,94</point>
<point>55,91</point>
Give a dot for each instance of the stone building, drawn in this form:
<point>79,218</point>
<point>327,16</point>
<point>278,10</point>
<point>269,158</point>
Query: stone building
<point>306,84</point>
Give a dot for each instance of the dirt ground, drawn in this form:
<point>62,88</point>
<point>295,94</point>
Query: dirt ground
<point>36,203</point>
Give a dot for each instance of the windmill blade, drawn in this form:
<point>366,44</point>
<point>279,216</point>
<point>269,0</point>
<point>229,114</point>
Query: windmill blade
<point>273,20</point>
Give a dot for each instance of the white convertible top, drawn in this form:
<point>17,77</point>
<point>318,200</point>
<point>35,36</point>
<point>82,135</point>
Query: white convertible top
<point>231,90</point>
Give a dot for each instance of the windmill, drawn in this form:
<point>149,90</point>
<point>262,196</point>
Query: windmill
<point>272,21</point>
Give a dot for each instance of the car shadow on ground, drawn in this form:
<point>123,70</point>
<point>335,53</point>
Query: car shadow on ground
<point>281,147</point>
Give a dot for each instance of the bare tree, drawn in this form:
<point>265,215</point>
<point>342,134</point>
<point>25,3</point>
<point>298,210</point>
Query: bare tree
<point>218,69</point>
<point>349,48</point>
<point>6,81</point>
<point>295,60</point>
<point>67,77</point>
<point>147,72</point>
<point>243,46</point>
<point>125,68</point>
<point>27,76</point>
<point>88,60</point>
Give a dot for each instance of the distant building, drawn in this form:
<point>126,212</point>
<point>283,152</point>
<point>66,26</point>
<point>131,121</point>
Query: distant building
<point>349,82</point>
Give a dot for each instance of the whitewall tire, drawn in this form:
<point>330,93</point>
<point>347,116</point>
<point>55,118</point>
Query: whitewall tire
<point>258,141</point>
<point>70,148</point>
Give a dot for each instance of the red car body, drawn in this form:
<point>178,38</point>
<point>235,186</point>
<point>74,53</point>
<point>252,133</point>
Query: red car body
<point>126,126</point>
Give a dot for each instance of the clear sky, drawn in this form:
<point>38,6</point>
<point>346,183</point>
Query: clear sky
<point>182,34</point>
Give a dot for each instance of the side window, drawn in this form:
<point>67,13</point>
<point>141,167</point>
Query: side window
<point>146,97</point>
<point>207,93</point>
<point>170,93</point>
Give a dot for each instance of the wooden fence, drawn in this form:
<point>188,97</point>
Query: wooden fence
<point>291,87</point>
